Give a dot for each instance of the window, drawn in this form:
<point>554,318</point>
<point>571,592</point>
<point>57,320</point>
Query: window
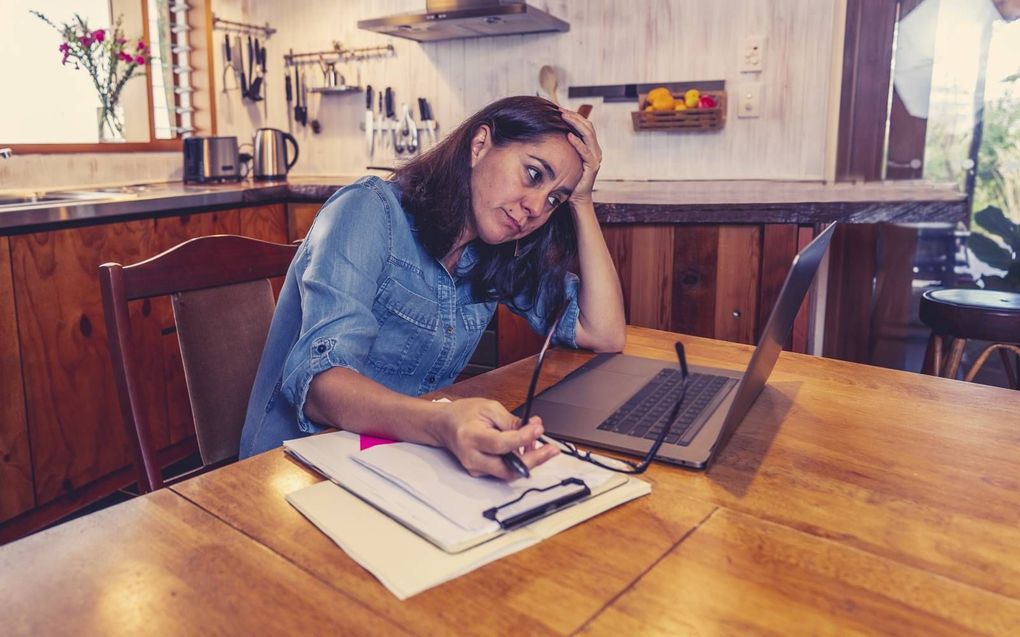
<point>53,104</point>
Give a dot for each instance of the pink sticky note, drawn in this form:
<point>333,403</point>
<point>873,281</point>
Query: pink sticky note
<point>367,442</point>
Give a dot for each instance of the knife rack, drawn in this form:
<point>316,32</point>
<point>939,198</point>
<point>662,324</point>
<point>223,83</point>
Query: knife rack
<point>242,28</point>
<point>338,54</point>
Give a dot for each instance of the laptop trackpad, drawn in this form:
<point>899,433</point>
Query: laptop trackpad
<point>605,382</point>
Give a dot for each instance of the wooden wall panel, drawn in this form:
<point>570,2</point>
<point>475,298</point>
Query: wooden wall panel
<point>695,261</point>
<point>651,275</point>
<point>736,300</point>
<point>619,244</point>
<point>852,268</point>
<point>802,322</point>
<point>16,493</point>
<point>514,337</point>
<point>778,247</point>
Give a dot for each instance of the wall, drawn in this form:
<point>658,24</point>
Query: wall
<point>609,42</point>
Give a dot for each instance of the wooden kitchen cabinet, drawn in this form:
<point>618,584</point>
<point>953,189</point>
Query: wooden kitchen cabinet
<point>16,495</point>
<point>713,280</point>
<point>78,446</point>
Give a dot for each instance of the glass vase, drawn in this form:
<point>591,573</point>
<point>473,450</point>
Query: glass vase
<point>109,120</point>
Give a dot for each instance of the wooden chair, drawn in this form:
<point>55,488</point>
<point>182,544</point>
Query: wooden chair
<point>223,304</point>
<point>956,315</point>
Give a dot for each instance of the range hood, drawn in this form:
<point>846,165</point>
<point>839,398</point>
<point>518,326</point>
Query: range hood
<point>458,19</point>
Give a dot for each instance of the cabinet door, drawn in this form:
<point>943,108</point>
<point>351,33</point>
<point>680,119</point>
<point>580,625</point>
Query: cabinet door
<point>74,421</point>
<point>15,464</point>
<point>76,431</point>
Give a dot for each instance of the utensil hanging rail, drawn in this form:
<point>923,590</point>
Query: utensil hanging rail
<point>338,54</point>
<point>243,28</point>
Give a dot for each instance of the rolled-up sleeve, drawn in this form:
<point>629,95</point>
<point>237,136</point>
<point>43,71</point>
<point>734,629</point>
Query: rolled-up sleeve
<point>343,258</point>
<point>540,321</point>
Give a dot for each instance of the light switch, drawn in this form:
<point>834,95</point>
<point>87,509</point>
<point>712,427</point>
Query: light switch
<point>752,54</point>
<point>749,100</point>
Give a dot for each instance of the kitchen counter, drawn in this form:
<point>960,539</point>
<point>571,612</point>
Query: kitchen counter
<point>616,202</point>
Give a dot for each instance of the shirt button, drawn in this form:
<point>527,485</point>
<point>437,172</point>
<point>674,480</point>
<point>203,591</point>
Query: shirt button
<point>320,349</point>
<point>431,379</point>
<point>449,329</point>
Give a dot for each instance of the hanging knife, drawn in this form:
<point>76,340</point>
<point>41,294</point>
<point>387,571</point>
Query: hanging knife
<point>430,126</point>
<point>240,61</point>
<point>289,88</point>
<point>391,120</point>
<point>369,130</point>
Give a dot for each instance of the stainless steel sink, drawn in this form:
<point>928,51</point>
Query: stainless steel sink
<point>45,199</point>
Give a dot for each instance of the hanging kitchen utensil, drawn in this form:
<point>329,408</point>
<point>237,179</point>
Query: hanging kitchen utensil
<point>289,88</point>
<point>391,121</point>
<point>429,124</point>
<point>408,130</point>
<point>255,68</point>
<point>265,91</point>
<point>304,99</point>
<point>369,129</point>
<point>240,61</point>
<point>547,80</point>
<point>228,63</point>
<point>381,122</point>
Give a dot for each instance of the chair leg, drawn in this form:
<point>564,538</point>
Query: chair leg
<point>953,360</point>
<point>932,364</point>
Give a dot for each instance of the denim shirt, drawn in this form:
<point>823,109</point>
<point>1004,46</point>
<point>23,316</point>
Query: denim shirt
<point>363,293</point>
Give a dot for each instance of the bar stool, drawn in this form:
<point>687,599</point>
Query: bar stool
<point>959,314</point>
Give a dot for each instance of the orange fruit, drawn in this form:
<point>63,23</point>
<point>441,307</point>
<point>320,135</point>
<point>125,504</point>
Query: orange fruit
<point>660,91</point>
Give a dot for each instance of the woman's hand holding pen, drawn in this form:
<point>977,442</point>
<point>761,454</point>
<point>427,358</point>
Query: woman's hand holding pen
<point>480,431</point>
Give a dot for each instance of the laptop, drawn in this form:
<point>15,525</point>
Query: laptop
<point>621,402</point>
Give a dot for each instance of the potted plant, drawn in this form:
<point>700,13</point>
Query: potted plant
<point>109,59</point>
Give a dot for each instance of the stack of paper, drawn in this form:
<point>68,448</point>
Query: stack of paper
<point>400,494</point>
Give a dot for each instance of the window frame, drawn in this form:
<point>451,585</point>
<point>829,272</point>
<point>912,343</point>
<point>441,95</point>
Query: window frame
<point>153,145</point>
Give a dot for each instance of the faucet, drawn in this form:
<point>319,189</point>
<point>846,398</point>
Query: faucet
<point>6,153</point>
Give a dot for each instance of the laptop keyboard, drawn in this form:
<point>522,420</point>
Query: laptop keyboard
<point>645,413</point>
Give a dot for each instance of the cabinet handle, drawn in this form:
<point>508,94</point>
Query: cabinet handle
<point>736,314</point>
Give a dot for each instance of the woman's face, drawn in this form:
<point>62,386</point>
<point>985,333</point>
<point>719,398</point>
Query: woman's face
<point>515,187</point>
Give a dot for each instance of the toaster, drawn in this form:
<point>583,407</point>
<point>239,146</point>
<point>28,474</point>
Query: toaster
<point>208,159</point>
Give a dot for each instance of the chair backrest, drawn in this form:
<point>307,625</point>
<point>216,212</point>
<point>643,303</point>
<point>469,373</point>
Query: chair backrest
<point>223,304</point>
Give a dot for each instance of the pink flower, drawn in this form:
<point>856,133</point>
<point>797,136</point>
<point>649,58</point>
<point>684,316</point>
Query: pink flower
<point>85,40</point>
<point>141,46</point>
<point>121,40</point>
<point>64,61</point>
<point>124,57</point>
<point>139,60</point>
<point>63,48</point>
<point>99,35</point>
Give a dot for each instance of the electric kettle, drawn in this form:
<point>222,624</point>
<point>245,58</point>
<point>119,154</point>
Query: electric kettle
<point>270,159</point>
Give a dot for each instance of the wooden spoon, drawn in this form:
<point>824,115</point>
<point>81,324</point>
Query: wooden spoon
<point>547,80</point>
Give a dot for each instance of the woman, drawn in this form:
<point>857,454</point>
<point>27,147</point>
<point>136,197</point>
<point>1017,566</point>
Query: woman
<point>389,293</point>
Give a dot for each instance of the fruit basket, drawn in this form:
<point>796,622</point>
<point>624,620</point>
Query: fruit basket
<point>690,119</point>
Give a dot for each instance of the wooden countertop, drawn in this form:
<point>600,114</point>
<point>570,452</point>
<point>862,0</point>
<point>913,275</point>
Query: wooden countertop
<point>851,500</point>
<point>615,201</point>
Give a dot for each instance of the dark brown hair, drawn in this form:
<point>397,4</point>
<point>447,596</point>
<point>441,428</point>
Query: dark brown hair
<point>436,189</point>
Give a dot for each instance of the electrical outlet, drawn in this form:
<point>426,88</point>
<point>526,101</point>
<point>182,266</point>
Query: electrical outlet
<point>749,100</point>
<point>752,54</point>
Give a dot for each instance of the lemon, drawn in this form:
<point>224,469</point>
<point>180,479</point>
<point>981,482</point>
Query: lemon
<point>691,98</point>
<point>680,106</point>
<point>660,91</point>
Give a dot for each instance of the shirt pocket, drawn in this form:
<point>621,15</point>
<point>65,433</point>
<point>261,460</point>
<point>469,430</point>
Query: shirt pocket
<point>474,318</point>
<point>407,326</point>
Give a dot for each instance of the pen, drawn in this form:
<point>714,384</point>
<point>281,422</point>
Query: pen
<point>515,464</point>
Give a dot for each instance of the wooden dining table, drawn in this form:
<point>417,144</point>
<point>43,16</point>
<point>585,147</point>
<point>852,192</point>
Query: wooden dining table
<point>851,500</point>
